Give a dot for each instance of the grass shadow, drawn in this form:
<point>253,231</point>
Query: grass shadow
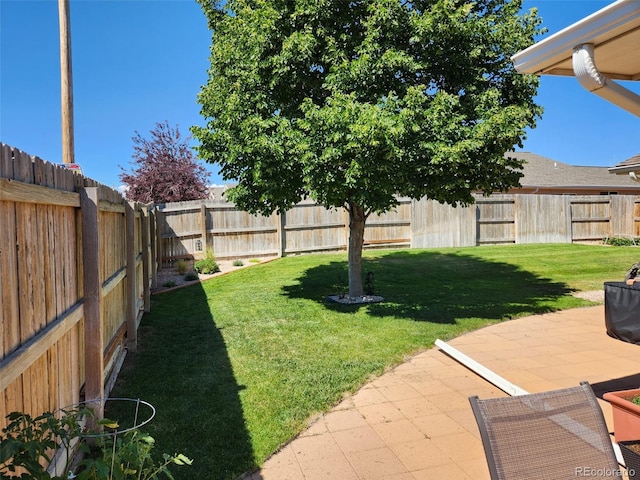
<point>196,395</point>
<point>436,287</point>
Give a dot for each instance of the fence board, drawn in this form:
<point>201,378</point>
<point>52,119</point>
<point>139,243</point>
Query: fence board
<point>39,380</point>
<point>30,281</point>
<point>9,337</point>
<point>16,191</point>
<point>307,227</point>
<point>131,285</point>
<point>496,220</point>
<point>622,215</point>
<point>145,251</point>
<point>9,285</point>
<point>93,328</point>
<point>390,229</point>
<point>47,269</point>
<point>553,227</point>
<point>53,393</point>
<point>310,227</point>
<point>6,161</point>
<point>43,269</point>
<point>14,397</point>
<point>49,258</point>
<point>259,238</point>
<point>590,216</point>
<point>13,365</point>
<point>3,407</point>
<point>437,225</point>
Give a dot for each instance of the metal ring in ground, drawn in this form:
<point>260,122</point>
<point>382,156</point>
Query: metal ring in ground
<point>104,401</point>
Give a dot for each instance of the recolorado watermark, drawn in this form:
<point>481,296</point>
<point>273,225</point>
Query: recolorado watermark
<point>591,472</point>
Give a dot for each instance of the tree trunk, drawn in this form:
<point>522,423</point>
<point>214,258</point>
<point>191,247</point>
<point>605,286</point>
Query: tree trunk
<point>357,220</point>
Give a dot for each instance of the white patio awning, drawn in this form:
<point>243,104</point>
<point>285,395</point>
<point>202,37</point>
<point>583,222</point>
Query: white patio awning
<point>598,49</point>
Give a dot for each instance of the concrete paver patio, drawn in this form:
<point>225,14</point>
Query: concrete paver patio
<point>414,422</point>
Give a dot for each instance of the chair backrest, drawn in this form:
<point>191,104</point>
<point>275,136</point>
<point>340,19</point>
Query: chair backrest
<point>559,434</point>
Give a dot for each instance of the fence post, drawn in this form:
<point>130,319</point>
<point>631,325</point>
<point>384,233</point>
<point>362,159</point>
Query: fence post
<point>282,237</point>
<point>203,225</point>
<point>153,246</point>
<point>160,245</point>
<point>347,228</point>
<point>145,221</point>
<point>93,331</point>
<point>132,314</point>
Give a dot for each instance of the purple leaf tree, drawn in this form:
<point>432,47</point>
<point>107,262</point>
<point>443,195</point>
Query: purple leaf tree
<point>164,169</point>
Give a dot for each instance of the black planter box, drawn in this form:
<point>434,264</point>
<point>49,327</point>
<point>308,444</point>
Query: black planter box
<point>622,311</point>
<point>631,459</point>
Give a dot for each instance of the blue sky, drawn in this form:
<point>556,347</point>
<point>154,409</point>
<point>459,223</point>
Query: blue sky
<point>138,62</point>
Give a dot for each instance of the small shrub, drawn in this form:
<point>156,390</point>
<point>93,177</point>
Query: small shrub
<point>191,276</point>
<point>169,284</point>
<point>208,264</point>
<point>238,263</point>
<point>29,443</point>
<point>182,266</point>
<point>128,456</point>
<point>621,242</point>
<point>369,288</point>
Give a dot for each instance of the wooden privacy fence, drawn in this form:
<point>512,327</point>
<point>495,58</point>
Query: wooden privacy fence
<point>76,265</point>
<point>186,229</point>
<point>77,261</point>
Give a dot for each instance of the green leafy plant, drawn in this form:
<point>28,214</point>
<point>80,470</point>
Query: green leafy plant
<point>182,267</point>
<point>127,456</point>
<point>191,276</point>
<point>208,264</point>
<point>369,288</point>
<point>29,445</point>
<point>238,263</point>
<point>370,116</point>
<point>276,350</point>
<point>621,241</point>
<point>169,284</point>
<point>254,260</point>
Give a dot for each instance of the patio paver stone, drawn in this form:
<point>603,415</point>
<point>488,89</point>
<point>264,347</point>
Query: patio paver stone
<point>415,422</point>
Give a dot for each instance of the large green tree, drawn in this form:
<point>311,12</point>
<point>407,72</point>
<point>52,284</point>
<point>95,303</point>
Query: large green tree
<point>354,102</point>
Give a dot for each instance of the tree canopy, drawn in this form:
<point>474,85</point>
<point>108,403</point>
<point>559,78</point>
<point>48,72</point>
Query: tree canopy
<point>353,103</point>
<point>164,168</point>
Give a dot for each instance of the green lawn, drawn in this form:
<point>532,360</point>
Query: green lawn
<point>238,365</point>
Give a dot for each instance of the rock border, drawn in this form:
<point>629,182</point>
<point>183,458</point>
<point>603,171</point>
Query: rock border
<point>360,300</point>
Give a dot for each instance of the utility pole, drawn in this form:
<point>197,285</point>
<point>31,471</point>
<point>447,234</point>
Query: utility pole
<point>66,82</point>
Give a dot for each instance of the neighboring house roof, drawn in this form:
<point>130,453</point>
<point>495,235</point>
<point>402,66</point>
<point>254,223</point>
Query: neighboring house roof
<point>544,175</point>
<point>217,192</point>
<point>629,165</point>
<point>596,49</point>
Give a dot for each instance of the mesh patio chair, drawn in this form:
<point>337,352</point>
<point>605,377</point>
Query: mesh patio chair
<point>559,434</point>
